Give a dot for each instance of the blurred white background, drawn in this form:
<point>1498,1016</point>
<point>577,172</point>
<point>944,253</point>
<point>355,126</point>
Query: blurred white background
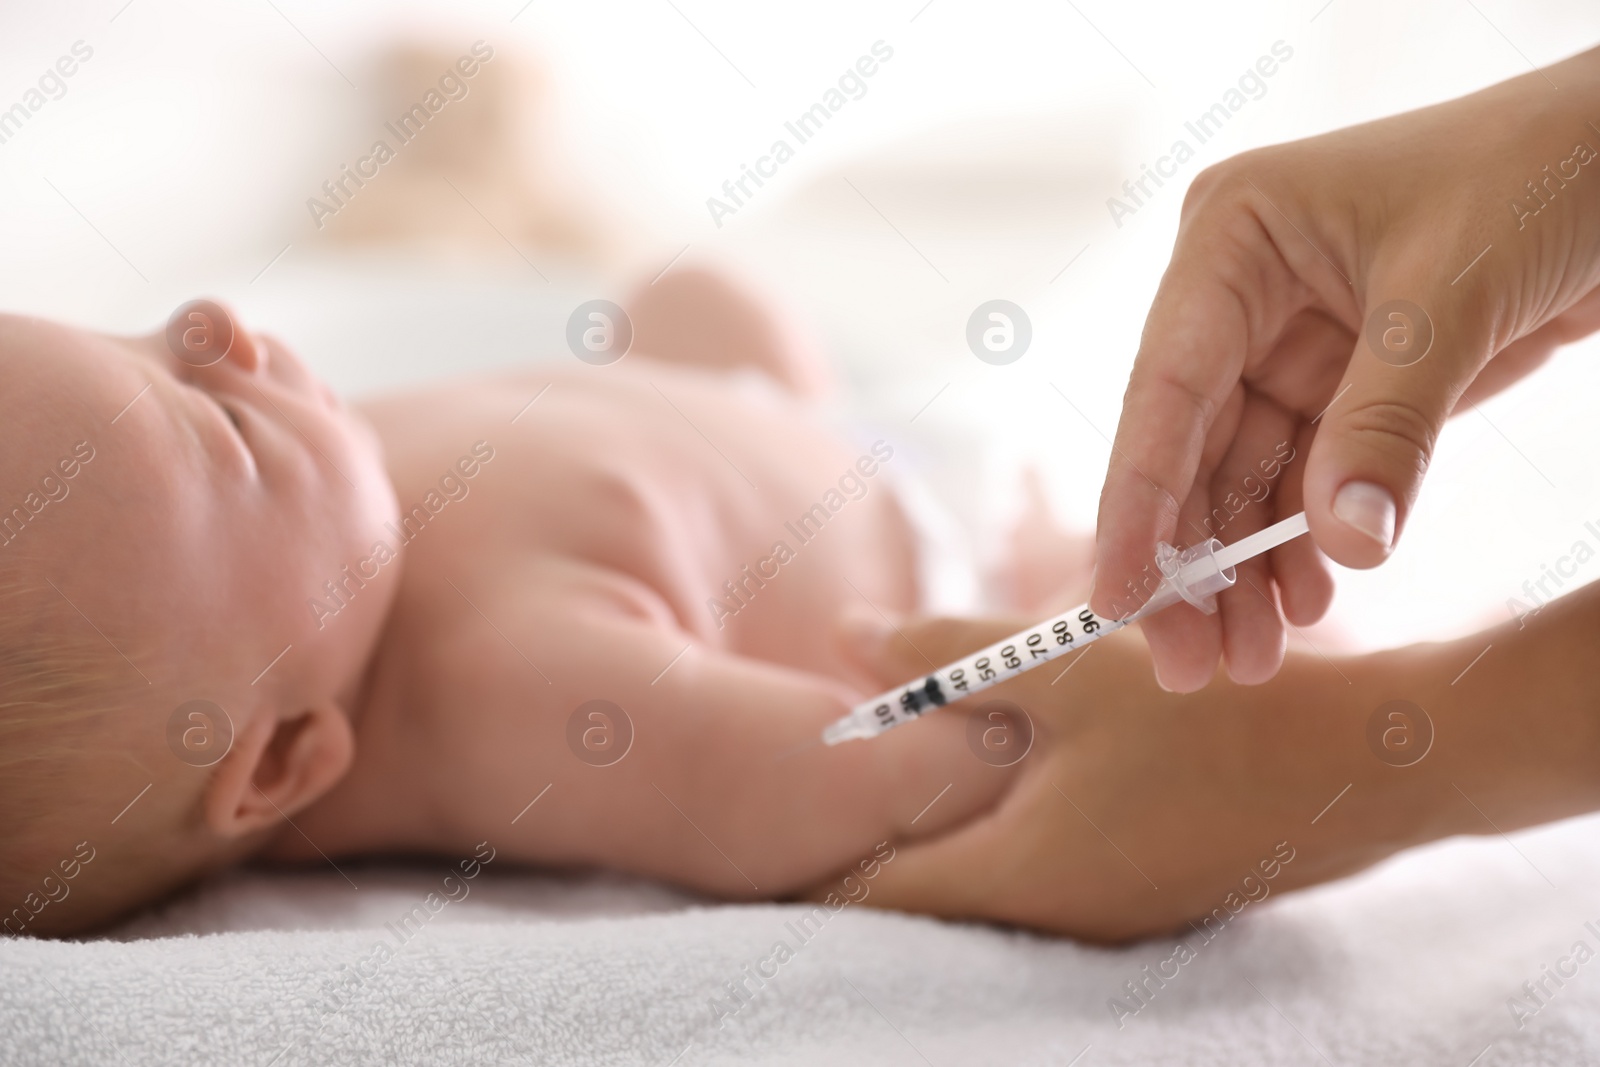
<point>977,166</point>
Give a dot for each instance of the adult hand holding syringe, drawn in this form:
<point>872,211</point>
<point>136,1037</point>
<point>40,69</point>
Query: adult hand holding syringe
<point>1345,294</point>
<point>1194,575</point>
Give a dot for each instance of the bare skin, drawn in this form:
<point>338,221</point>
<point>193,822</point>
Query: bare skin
<point>1138,810</point>
<point>428,708</point>
<point>178,556</point>
<point>579,567</point>
<point>1283,256</point>
<point>400,650</point>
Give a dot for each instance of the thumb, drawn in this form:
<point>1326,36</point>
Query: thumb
<point>893,651</point>
<point>1419,348</point>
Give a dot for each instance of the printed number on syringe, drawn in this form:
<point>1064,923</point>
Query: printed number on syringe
<point>1037,649</point>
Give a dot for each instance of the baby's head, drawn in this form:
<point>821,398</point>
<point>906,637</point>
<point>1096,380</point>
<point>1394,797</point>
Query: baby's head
<point>165,524</point>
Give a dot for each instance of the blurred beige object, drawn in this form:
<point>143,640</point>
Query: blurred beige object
<point>694,314</point>
<point>1048,569</point>
<point>474,162</point>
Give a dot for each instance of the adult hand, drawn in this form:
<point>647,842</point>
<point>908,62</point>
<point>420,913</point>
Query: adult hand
<point>1332,301</point>
<point>1132,812</point>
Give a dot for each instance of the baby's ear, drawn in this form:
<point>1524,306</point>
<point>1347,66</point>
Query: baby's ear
<point>278,765</point>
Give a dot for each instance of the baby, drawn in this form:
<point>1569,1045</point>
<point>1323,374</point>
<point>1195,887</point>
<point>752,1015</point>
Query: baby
<point>598,616</point>
<point>584,614</point>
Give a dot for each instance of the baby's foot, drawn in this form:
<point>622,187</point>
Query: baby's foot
<point>1048,569</point>
<point>700,317</point>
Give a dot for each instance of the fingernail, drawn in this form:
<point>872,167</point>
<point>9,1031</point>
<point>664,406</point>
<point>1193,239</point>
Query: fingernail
<point>1164,687</point>
<point>1366,507</point>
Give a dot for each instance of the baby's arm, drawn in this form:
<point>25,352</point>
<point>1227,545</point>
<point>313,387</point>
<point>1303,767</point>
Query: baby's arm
<point>727,788</point>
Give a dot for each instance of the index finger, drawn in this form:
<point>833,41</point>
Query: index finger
<point>1191,357</point>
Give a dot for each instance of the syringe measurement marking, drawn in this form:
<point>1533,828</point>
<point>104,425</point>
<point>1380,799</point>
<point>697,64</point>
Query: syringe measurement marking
<point>1195,574</point>
<point>918,698</point>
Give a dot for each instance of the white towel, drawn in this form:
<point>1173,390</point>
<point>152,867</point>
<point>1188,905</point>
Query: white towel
<point>1413,963</point>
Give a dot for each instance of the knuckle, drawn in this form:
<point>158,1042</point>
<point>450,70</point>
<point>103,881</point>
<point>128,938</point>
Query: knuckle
<point>1222,175</point>
<point>1202,407</point>
<point>1205,186</point>
<point>1231,179</point>
<point>1394,428</point>
<point>1225,179</point>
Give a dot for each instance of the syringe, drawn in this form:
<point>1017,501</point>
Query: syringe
<point>1194,574</point>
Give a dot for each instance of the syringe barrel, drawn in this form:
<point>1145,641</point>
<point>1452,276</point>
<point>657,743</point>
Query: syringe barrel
<point>1191,574</point>
<point>1195,575</point>
<point>972,674</point>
